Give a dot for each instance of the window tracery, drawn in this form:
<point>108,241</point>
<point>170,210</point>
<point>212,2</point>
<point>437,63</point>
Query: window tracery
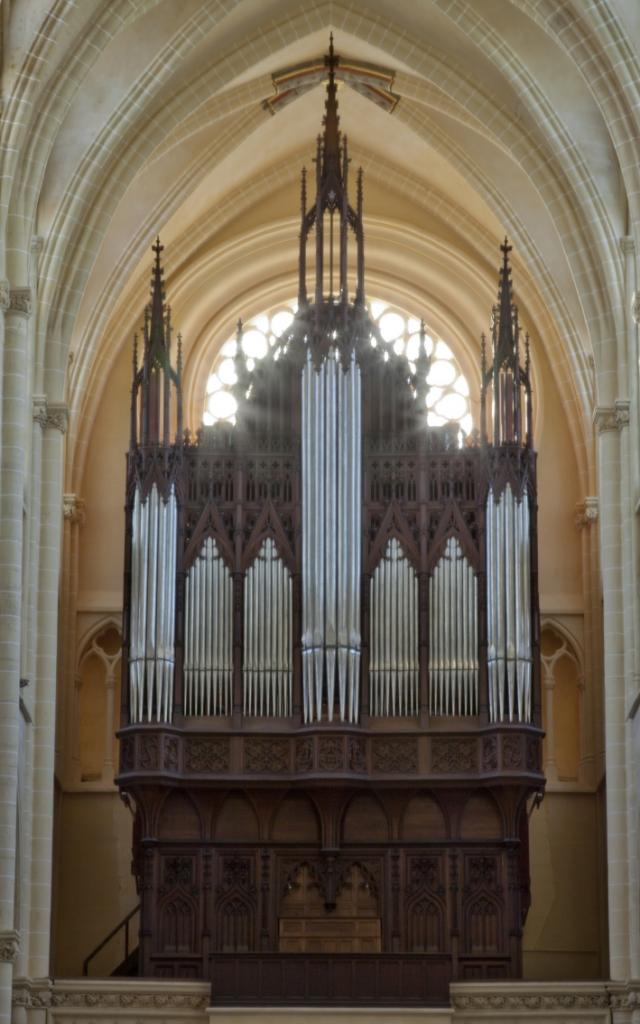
<point>448,394</point>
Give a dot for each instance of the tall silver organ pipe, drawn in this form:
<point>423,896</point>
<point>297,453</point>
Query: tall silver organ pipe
<point>152,622</point>
<point>267,680</point>
<point>509,607</point>
<point>394,651</point>
<point>453,634</point>
<point>208,631</point>
<point>331,537</point>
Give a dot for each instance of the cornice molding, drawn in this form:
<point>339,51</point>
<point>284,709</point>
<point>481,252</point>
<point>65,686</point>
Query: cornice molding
<point>528,1001</point>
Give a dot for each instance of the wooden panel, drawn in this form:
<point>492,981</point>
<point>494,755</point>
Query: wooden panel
<point>364,820</point>
<point>237,820</point>
<point>361,980</point>
<point>423,819</point>
<point>330,935</point>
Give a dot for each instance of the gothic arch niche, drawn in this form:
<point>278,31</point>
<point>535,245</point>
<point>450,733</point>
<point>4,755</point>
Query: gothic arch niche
<point>330,905</point>
<point>563,705</point>
<point>296,819</point>
<point>178,818</point>
<point>481,818</point>
<point>236,820</point>
<point>364,820</point>
<point>423,819</point>
<point>178,915</point>
<point>96,700</point>
<point>235,903</point>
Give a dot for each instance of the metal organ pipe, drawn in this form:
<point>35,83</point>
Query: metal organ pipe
<point>331,537</point>
<point>393,669</point>
<point>208,640</point>
<point>509,606</point>
<point>453,648</point>
<point>267,635</point>
<point>152,622</point>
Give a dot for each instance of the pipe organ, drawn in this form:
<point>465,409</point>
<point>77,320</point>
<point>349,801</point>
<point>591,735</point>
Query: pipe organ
<point>153,575</point>
<point>267,635</point>
<point>453,634</point>
<point>331,460</point>
<point>393,668</point>
<point>508,606</point>
<point>330,731</point>
<point>207,633</point>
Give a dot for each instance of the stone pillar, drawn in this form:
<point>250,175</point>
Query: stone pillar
<point>67,739</point>
<point>608,425</point>
<point>16,305</point>
<point>107,766</point>
<point>548,688</point>
<point>591,766</point>
<point>628,417</point>
<point>54,428</point>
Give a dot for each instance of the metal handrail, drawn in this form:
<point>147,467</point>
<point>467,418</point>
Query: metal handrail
<point>114,931</point>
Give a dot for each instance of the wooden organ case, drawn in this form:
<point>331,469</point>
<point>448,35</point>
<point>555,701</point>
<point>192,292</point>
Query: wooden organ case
<point>330,723</point>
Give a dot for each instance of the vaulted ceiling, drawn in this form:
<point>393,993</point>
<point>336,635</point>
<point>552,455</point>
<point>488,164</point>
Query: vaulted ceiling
<point>131,117</point>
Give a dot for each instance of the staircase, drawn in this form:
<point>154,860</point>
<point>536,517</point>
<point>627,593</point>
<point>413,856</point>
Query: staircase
<point>117,943</point>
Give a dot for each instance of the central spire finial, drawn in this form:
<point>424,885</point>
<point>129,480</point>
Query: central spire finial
<point>331,142</point>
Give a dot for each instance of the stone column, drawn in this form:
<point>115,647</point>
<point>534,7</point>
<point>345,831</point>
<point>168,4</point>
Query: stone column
<point>67,740</point>
<point>46,669</point>
<point>608,427</point>
<point>591,767</point>
<point>107,766</point>
<point>16,305</point>
<point>548,687</point>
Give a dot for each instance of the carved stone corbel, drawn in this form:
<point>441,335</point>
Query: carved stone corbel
<point>73,509</point>
<point>587,512</point>
<point>9,946</point>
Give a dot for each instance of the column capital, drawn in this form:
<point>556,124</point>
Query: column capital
<point>611,417</point>
<point>622,406</point>
<point>635,307</point>
<point>36,244</point>
<point>73,508</point>
<point>587,512</point>
<point>5,294</point>
<point>54,415</point>
<point>9,946</point>
<point>20,301</point>
<point>627,244</point>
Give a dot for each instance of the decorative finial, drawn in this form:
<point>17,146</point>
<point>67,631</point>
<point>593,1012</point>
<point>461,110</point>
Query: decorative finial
<point>331,120</point>
<point>157,311</point>
<point>504,339</point>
